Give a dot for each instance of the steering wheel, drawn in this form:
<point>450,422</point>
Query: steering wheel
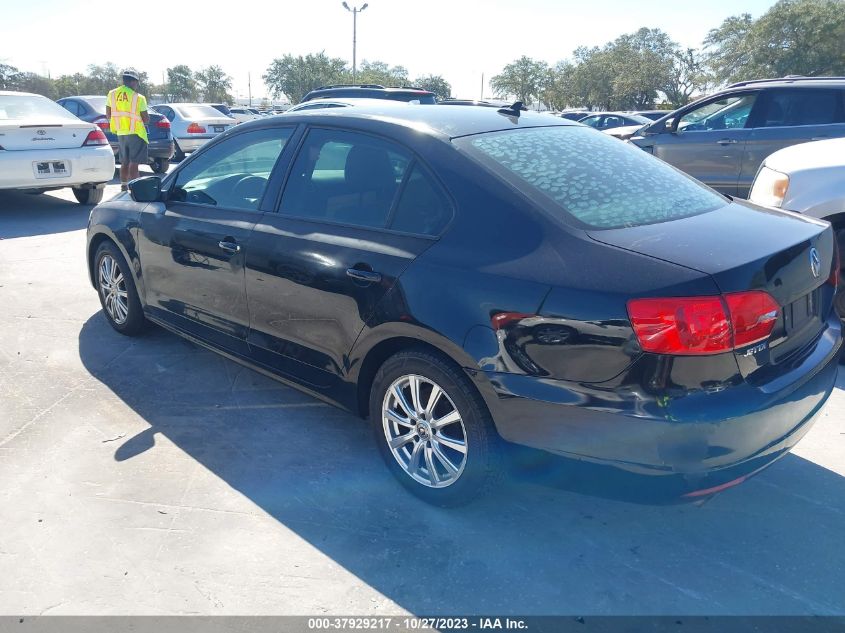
<point>249,188</point>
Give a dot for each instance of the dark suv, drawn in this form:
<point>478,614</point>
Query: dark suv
<point>92,108</point>
<point>723,139</point>
<point>372,91</point>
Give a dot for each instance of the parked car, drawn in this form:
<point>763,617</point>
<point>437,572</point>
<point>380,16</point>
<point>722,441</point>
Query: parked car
<point>472,102</point>
<point>44,147</point>
<point>807,178</point>
<point>371,91</point>
<point>242,115</point>
<point>92,108</point>
<point>611,120</point>
<point>193,124</point>
<point>467,275</point>
<point>653,115</point>
<point>574,115</point>
<point>222,108</point>
<point>325,104</point>
<point>723,139</point>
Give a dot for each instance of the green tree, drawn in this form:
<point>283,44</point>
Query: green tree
<point>181,85</point>
<point>436,84</point>
<point>295,76</point>
<point>523,78</point>
<point>214,85</point>
<point>32,82</point>
<point>794,37</point>
<point>688,75</point>
<point>382,74</point>
<point>9,77</point>
<point>101,79</point>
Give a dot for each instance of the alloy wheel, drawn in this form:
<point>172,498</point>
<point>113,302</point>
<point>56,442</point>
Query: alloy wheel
<point>113,289</point>
<point>424,431</point>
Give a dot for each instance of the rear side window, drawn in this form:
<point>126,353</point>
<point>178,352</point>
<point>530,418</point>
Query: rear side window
<point>590,178</point>
<point>345,177</point>
<point>422,207</point>
<point>802,107</point>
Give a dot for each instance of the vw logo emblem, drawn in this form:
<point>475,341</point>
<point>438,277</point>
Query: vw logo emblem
<point>41,132</point>
<point>815,262</point>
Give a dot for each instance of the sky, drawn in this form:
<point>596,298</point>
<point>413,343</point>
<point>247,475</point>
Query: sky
<point>459,39</point>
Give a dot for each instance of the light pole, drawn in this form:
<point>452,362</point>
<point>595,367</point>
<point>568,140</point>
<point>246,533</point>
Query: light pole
<point>354,11</point>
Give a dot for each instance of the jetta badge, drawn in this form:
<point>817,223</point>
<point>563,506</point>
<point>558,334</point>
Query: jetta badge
<point>815,262</point>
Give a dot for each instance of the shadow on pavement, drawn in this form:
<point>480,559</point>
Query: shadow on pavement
<point>770,546</point>
<point>23,214</point>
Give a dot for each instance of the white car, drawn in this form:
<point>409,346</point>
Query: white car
<point>44,147</point>
<point>193,124</point>
<point>242,115</point>
<point>808,178</point>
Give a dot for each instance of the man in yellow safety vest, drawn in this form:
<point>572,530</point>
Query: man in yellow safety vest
<point>126,110</point>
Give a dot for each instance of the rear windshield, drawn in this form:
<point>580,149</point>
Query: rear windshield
<point>25,107</point>
<point>199,111</point>
<point>590,178</point>
<point>98,103</point>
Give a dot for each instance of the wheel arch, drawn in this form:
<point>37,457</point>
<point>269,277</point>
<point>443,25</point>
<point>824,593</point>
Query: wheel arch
<point>102,234</point>
<point>380,344</point>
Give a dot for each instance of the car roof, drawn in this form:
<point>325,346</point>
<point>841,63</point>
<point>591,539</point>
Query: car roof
<point>792,82</point>
<point>354,101</point>
<point>431,119</point>
<point>8,93</point>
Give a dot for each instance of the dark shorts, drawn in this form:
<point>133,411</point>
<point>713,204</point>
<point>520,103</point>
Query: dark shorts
<point>132,149</point>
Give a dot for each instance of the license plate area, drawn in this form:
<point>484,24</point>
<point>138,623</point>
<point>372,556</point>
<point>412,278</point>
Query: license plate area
<point>51,168</point>
<point>218,128</point>
<point>798,314</point>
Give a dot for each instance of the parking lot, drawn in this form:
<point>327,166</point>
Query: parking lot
<point>150,476</point>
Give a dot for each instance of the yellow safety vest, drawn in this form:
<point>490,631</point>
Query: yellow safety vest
<point>125,113</point>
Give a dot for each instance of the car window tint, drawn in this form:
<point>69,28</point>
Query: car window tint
<point>422,207</point>
<point>801,107</point>
<point>727,113</point>
<point>71,106</point>
<point>345,177</point>
<point>592,121</point>
<point>575,173</point>
<point>234,173</point>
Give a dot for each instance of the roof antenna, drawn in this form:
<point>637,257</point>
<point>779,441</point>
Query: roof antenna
<point>512,110</point>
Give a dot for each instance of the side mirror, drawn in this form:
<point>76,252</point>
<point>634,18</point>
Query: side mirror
<point>147,189</point>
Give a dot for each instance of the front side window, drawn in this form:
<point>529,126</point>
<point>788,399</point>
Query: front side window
<point>726,113</point>
<point>802,107</point>
<point>589,179</point>
<point>345,177</point>
<point>234,173</point>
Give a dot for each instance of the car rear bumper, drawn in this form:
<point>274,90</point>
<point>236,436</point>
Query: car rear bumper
<point>88,165</point>
<point>156,148</point>
<point>709,438</point>
<point>192,143</point>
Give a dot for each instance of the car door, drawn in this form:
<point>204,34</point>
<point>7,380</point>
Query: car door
<point>193,245</point>
<point>707,141</point>
<point>786,117</point>
<point>355,212</point>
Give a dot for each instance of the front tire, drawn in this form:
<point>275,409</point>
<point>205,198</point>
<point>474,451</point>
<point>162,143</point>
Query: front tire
<point>178,154</point>
<point>116,288</point>
<point>161,165</point>
<point>433,430</point>
<point>88,196</point>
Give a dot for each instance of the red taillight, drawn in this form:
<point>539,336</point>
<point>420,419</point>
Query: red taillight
<point>102,123</point>
<point>164,123</point>
<point>96,137</point>
<point>702,325</point>
<point>753,316</point>
<point>682,325</point>
<point>504,319</point>
<point>196,128</point>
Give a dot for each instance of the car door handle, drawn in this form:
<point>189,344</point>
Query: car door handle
<point>230,247</point>
<point>368,276</point>
<point>726,141</point>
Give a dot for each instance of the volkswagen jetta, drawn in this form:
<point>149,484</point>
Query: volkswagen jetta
<point>468,276</point>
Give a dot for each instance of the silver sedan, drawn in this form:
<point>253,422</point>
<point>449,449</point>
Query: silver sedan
<point>193,124</point>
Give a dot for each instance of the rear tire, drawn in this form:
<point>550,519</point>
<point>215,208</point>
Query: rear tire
<point>446,452</point>
<point>178,154</point>
<point>89,196</point>
<point>161,165</point>
<point>117,292</point>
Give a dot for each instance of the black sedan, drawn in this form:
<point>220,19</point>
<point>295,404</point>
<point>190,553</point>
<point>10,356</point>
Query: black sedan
<point>467,277</point>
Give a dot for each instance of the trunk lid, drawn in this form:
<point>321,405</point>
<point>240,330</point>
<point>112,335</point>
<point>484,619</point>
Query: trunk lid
<point>743,247</point>
<point>46,133</point>
<point>154,132</point>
